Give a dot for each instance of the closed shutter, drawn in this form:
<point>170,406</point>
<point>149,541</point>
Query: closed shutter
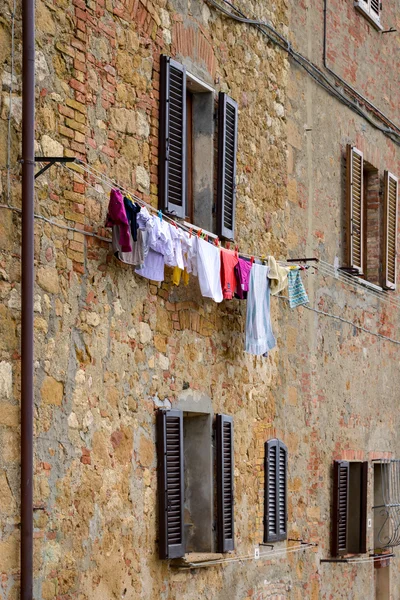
<point>340,508</point>
<point>227,148</point>
<point>171,486</point>
<point>172,151</point>
<point>355,209</point>
<point>224,425</point>
<point>391,185</point>
<point>363,507</point>
<point>282,486</point>
<point>275,496</point>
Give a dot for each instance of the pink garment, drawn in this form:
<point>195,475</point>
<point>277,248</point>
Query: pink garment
<point>116,215</point>
<point>242,271</point>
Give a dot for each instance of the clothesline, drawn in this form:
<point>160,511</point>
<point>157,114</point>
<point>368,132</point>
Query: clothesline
<point>112,184</point>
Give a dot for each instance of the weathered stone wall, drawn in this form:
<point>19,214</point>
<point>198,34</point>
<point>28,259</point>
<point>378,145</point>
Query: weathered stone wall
<point>111,347</point>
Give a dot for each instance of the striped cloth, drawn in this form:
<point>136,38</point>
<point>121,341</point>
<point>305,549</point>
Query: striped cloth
<point>297,292</point>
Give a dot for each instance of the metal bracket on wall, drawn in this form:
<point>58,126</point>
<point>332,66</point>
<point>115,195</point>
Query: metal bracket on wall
<point>52,160</point>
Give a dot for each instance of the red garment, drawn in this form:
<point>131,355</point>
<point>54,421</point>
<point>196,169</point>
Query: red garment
<point>229,260</point>
<point>117,216</point>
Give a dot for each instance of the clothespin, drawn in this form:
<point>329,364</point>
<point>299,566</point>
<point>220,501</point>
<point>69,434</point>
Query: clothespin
<point>199,233</point>
<point>216,241</point>
<point>190,232</point>
<point>252,260</point>
<point>228,245</point>
<point>206,238</point>
<point>263,258</point>
<point>160,215</point>
<point>237,250</point>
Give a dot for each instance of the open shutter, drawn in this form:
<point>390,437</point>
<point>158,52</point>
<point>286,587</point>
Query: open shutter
<point>282,487</point>
<point>375,8</point>
<point>355,209</point>
<point>227,147</point>
<point>171,486</point>
<point>391,185</point>
<point>340,507</point>
<point>363,507</point>
<point>172,151</point>
<point>224,425</point>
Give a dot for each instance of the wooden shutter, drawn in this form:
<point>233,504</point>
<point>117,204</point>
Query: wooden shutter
<point>340,508</point>
<point>363,507</point>
<point>227,148</point>
<point>375,7</point>
<point>171,486</point>
<point>391,185</point>
<point>172,151</point>
<point>275,495</point>
<point>224,425</point>
<point>282,487</point>
<point>355,209</point>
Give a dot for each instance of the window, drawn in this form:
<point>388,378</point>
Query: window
<point>371,223</point>
<point>349,515</point>
<point>185,471</point>
<point>371,9</point>
<point>275,498</point>
<point>186,157</point>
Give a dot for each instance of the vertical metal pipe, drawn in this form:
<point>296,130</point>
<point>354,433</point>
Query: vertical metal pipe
<point>28,175</point>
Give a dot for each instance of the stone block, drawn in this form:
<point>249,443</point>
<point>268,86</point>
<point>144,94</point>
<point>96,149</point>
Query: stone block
<point>52,391</point>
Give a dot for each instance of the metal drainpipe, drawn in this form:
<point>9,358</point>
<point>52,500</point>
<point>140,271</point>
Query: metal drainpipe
<point>342,81</point>
<point>27,276</point>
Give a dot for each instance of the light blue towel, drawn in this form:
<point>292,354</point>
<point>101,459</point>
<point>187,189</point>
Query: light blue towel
<point>297,292</point>
<point>259,336</point>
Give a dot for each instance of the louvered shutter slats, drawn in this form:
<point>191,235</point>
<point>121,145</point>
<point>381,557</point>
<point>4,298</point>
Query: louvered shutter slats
<point>375,7</point>
<point>224,425</point>
<point>390,231</point>
<point>172,159</point>
<point>282,470</point>
<point>227,147</point>
<point>171,486</point>
<point>340,508</point>
<point>275,504</point>
<point>355,208</point>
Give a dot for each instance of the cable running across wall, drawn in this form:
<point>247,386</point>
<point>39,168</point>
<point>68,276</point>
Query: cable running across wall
<point>314,71</point>
<point>327,269</point>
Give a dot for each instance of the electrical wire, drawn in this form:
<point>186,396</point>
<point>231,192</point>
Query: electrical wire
<point>264,555</point>
<point>343,320</point>
<point>314,71</point>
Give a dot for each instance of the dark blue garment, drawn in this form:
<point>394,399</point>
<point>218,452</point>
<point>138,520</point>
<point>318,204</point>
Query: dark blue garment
<point>131,211</point>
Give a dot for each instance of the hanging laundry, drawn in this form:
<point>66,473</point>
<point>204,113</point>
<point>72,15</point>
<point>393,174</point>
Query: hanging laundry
<point>297,292</point>
<point>209,269</point>
<point>178,236</point>
<point>190,249</point>
<point>116,215</point>
<point>277,275</point>
<point>229,260</point>
<point>136,256</point>
<point>160,249</point>
<point>259,336</point>
<point>242,272</point>
<point>132,210</point>
<point>179,275</point>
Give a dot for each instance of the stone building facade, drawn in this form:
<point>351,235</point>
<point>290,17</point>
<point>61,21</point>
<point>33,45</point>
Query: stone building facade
<point>111,348</point>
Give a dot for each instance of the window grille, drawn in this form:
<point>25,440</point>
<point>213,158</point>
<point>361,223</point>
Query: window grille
<point>388,512</point>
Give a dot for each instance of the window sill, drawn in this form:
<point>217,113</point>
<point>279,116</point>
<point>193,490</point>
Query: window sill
<point>191,560</point>
<point>369,285</point>
<point>375,21</point>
